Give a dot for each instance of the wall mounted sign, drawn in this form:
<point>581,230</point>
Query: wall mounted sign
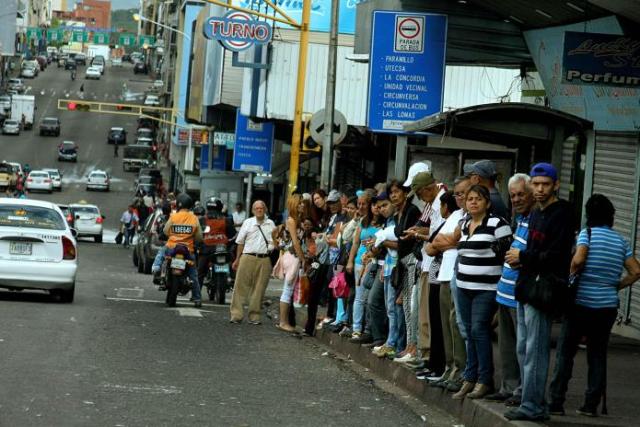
<point>601,59</point>
<point>237,31</point>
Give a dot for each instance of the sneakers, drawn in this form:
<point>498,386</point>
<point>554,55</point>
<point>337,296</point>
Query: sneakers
<point>587,411</point>
<point>426,374</point>
<point>384,351</point>
<point>497,397</point>
<point>441,383</point>
<point>345,331</point>
<point>408,357</point>
<point>516,415</point>
<point>255,322</point>
<point>362,338</point>
<point>454,386</point>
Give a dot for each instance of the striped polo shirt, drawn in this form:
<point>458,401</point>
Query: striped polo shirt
<point>479,268</point>
<point>507,283</point>
<point>599,279</point>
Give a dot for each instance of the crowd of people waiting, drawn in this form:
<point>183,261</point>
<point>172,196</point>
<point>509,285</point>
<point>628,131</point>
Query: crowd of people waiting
<point>421,274</point>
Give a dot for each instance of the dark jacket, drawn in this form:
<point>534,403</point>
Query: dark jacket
<point>407,219</point>
<point>551,237</point>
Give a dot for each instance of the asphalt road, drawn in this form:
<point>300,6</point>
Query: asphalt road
<point>118,356</point>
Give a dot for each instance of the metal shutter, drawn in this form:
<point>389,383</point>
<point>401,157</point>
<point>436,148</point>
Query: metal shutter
<point>615,176</point>
<point>566,170</point>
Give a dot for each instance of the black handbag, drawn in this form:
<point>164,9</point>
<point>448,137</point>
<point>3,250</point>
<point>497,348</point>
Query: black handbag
<point>546,292</point>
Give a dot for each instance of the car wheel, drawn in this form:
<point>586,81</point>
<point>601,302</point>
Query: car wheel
<point>147,266</point>
<point>97,239</point>
<point>50,191</point>
<point>64,295</point>
<point>140,264</point>
<point>136,260</point>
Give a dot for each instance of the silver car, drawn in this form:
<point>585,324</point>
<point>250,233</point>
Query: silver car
<point>11,127</point>
<point>16,85</point>
<point>98,180</point>
<point>87,220</point>
<point>38,249</point>
<point>56,178</point>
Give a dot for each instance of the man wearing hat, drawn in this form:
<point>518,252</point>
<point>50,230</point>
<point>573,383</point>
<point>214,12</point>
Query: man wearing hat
<point>484,172</point>
<point>548,253</point>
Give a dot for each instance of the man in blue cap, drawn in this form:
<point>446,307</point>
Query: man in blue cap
<point>547,254</point>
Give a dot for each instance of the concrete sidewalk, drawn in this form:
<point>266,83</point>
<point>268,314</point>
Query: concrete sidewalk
<point>622,391</point>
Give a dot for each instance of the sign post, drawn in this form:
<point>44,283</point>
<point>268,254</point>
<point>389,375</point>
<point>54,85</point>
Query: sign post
<point>406,76</point>
<point>254,145</point>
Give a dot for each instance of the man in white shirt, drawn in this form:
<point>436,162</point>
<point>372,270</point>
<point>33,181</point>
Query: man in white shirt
<point>239,216</point>
<point>252,264</point>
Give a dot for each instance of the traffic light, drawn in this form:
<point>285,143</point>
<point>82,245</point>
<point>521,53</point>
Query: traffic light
<point>78,106</point>
<point>309,145</point>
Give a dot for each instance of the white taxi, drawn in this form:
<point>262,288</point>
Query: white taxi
<point>39,180</point>
<point>37,248</point>
<point>87,220</point>
<point>98,180</point>
<point>93,73</point>
<point>56,178</point>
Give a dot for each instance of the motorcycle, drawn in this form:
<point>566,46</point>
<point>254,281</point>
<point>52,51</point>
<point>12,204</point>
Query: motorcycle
<point>218,280</point>
<point>173,273</point>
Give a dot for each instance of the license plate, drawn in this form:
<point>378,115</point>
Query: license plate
<point>178,264</point>
<point>20,248</point>
<point>221,268</point>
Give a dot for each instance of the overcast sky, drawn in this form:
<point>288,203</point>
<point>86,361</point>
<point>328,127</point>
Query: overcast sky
<point>124,4</point>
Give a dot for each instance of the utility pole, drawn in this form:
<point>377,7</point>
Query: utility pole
<point>329,106</point>
<point>294,162</point>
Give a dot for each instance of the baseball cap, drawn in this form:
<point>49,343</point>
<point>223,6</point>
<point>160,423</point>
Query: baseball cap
<point>484,168</point>
<point>334,196</point>
<point>382,196</point>
<point>544,169</point>
<point>423,179</point>
<point>414,170</point>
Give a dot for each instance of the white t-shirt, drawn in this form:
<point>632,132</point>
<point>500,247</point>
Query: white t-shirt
<point>450,255</point>
<point>238,218</point>
<point>436,220</point>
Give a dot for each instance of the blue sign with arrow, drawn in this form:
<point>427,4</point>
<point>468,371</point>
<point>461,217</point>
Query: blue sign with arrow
<point>406,76</point>
<point>254,145</point>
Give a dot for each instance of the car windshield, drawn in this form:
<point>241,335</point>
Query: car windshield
<point>68,146</point>
<point>11,122</point>
<point>98,175</point>
<point>85,209</point>
<point>54,174</point>
<point>50,121</point>
<point>30,217</point>
<point>4,168</point>
<point>39,175</point>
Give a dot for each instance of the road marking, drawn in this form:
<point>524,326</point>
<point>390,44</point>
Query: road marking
<point>186,302</point>
<point>130,293</point>
<point>189,312</point>
<point>156,389</point>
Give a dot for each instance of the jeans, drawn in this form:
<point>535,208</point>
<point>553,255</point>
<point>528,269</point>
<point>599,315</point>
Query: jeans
<point>454,346</point>
<point>454,298</point>
<point>360,302</point>
<point>195,285</point>
<point>376,310</point>
<point>157,262</point>
<point>477,309</point>
<point>392,313</point>
<point>596,325</point>
<point>128,235</point>
<point>507,327</point>
<point>534,336</point>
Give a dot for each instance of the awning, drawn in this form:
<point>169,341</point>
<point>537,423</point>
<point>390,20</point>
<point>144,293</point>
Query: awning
<point>510,124</point>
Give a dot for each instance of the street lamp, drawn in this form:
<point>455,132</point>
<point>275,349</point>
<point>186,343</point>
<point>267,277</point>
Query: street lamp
<point>138,18</point>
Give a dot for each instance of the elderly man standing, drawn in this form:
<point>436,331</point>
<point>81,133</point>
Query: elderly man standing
<point>252,264</point>
<point>522,201</point>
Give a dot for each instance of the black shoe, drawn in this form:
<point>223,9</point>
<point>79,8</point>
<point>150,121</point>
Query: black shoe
<point>556,409</point>
<point>454,386</point>
<point>361,339</point>
<point>439,384</point>
<point>335,328</point>
<point>373,344</point>
<point>424,374</point>
<point>513,401</point>
<point>497,397</point>
<point>587,411</point>
<point>197,304</point>
<point>516,415</point>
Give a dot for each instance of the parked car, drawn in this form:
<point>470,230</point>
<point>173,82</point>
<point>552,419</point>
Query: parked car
<point>11,127</point>
<point>140,68</point>
<point>31,64</point>
<point>66,212</point>
<point>144,141</point>
<point>145,133</point>
<point>152,101</point>
<point>98,180</point>
<point>126,57</point>
<point>28,72</point>
<point>80,59</point>
<point>98,62</point>
<point>92,73</point>
<point>48,259</point>
<point>116,62</point>
<point>148,243</point>
<point>16,85</point>
<point>117,135</point>
<point>39,180</point>
<point>68,151</point>
<point>50,126</point>
<point>56,178</point>
<point>17,168</point>
<point>88,220</point>
<point>146,185</point>
<point>70,64</point>
<point>5,102</point>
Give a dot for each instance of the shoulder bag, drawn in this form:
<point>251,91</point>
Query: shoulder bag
<point>274,254</point>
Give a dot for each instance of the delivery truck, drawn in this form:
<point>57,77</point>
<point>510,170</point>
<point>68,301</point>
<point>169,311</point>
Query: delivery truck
<point>23,109</point>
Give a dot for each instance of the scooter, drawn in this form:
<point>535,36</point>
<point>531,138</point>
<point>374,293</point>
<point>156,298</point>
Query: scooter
<point>173,273</point>
<point>218,281</point>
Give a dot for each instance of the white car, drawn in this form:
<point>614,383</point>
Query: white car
<point>11,127</point>
<point>93,73</point>
<point>39,180</point>
<point>56,177</point>
<point>28,72</point>
<point>98,180</point>
<point>38,250</point>
<point>5,102</point>
<point>152,101</point>
<point>17,168</point>
<point>16,85</point>
<point>116,62</point>
<point>87,221</point>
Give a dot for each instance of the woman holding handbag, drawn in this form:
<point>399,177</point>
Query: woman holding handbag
<point>291,260</point>
<point>597,266</point>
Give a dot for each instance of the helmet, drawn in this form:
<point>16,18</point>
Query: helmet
<point>183,201</point>
<point>214,204</point>
<point>199,210</point>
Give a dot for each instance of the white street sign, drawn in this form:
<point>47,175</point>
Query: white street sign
<point>316,126</point>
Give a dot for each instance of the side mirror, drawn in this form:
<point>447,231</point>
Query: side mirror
<point>74,232</point>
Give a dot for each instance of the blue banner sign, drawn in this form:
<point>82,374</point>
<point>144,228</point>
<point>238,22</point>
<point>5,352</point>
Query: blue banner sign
<point>237,31</point>
<point>254,145</point>
<point>406,75</point>
<point>601,59</point>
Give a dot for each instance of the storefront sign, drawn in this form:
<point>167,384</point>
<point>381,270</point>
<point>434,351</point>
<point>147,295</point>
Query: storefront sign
<point>224,138</point>
<point>80,37</point>
<point>101,38</point>
<point>198,136</point>
<point>146,41</point>
<point>254,145</point>
<point>601,59</point>
<point>127,39</point>
<point>55,35</point>
<point>237,31</point>
<point>406,76</point>
<point>34,33</point>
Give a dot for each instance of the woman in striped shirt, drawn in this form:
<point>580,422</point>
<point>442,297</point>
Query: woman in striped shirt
<point>484,240</point>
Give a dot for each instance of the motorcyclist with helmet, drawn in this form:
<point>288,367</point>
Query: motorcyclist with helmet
<point>220,231</point>
<point>183,228</point>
